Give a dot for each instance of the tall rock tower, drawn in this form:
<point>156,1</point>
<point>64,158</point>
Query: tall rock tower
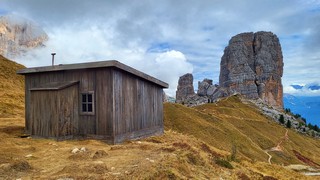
<point>252,65</point>
<point>185,88</point>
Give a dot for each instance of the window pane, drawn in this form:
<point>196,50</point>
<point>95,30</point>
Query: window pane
<point>89,107</point>
<point>84,98</point>
<point>89,97</point>
<point>84,107</point>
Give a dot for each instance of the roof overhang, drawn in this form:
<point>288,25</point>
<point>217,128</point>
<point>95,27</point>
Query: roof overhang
<point>91,65</point>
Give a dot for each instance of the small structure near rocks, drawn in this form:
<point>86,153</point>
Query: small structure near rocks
<point>102,100</point>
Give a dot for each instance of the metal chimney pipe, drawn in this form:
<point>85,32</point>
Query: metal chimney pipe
<point>53,58</point>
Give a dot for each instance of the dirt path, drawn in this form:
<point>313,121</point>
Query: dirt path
<point>278,147</point>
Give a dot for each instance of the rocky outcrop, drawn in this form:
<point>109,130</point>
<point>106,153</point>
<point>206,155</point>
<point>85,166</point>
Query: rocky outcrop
<point>18,35</point>
<point>206,88</point>
<point>185,91</point>
<point>252,65</point>
<point>185,88</point>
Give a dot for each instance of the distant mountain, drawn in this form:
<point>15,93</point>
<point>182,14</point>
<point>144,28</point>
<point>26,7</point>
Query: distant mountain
<point>18,35</point>
<point>307,107</point>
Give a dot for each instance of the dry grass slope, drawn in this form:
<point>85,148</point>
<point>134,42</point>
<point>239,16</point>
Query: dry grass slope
<point>11,89</point>
<point>231,125</point>
<point>197,144</point>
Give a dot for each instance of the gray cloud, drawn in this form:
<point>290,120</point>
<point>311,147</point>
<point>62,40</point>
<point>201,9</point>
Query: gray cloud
<point>199,30</point>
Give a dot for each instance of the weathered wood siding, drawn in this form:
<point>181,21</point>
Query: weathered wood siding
<point>126,106</point>
<point>104,102</point>
<point>68,112</point>
<point>41,103</point>
<point>138,108</point>
<point>97,80</point>
<point>54,112</point>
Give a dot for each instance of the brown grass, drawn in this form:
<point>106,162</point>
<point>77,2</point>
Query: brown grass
<point>230,123</point>
<point>194,139</point>
<point>11,89</point>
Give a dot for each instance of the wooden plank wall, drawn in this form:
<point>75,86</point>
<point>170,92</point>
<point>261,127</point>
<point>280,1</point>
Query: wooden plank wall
<point>137,105</point>
<point>97,80</point>
<point>42,102</point>
<point>104,102</point>
<point>68,112</point>
<point>124,104</point>
<point>54,113</point>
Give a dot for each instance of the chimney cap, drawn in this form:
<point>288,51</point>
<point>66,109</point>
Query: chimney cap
<point>53,53</point>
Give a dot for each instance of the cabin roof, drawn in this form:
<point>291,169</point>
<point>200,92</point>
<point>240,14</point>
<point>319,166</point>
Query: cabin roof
<point>91,65</point>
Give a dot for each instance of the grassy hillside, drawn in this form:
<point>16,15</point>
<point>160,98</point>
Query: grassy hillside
<point>11,89</point>
<point>233,126</point>
<point>227,140</point>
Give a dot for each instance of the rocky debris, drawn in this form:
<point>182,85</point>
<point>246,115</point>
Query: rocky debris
<point>150,160</point>
<point>185,88</point>
<point>195,100</point>
<point>29,156</point>
<point>18,35</point>
<point>252,65</point>
<point>77,150</point>
<point>275,113</point>
<point>206,88</point>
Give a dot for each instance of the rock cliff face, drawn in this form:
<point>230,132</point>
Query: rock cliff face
<point>18,35</point>
<point>252,65</point>
<point>185,88</point>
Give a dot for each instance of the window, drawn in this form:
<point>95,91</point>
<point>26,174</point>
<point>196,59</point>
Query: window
<point>87,103</point>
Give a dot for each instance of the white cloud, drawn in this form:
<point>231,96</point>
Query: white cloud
<point>96,44</point>
<point>305,90</point>
<point>99,30</point>
<point>170,66</point>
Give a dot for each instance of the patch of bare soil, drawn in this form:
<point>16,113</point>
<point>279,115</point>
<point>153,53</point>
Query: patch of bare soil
<point>306,160</point>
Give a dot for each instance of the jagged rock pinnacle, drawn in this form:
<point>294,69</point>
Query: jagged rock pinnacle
<point>252,65</point>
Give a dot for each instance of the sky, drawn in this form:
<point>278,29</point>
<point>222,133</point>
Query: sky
<point>169,38</point>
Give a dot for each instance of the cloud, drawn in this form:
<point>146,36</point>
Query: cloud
<point>141,33</point>
<point>97,44</point>
<point>311,89</point>
<point>170,66</point>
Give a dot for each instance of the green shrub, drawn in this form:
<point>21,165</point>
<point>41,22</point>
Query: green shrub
<point>281,119</point>
<point>223,163</point>
<point>288,124</point>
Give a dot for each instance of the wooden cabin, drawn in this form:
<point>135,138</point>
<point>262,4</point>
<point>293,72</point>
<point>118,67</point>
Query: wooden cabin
<point>102,100</point>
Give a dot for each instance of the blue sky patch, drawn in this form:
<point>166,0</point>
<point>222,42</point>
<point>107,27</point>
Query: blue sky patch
<point>295,37</point>
<point>208,28</point>
<point>297,86</point>
<point>3,11</point>
<point>159,47</point>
